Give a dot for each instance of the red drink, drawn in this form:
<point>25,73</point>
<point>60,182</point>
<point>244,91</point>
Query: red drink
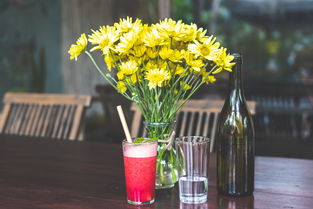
<point>140,178</point>
<point>139,164</point>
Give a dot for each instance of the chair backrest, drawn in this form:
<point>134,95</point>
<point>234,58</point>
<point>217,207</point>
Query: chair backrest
<point>197,117</point>
<point>44,115</point>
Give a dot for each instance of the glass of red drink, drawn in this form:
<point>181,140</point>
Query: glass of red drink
<point>139,165</point>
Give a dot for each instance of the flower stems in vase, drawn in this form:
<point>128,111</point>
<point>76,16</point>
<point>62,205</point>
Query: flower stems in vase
<point>167,165</point>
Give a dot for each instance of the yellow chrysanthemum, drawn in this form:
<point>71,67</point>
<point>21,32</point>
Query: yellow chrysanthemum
<point>169,28</point>
<point>176,56</point>
<point>165,52</point>
<point>207,78</point>
<point>189,57</point>
<point>152,53</point>
<point>208,49</point>
<point>179,70</point>
<point>201,35</point>
<point>109,61</point>
<point>104,38</point>
<point>184,85</point>
<point>133,79</point>
<point>157,77</point>
<point>76,49</point>
<point>129,67</point>
<point>157,55</point>
<point>127,41</point>
<point>223,61</point>
<point>125,25</point>
<point>151,65</point>
<point>154,38</point>
<point>186,33</point>
<point>139,50</point>
<point>162,64</point>
<point>120,75</point>
<point>196,65</point>
<point>121,87</point>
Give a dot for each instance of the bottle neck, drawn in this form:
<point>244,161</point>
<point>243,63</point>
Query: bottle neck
<point>235,83</point>
<point>235,78</point>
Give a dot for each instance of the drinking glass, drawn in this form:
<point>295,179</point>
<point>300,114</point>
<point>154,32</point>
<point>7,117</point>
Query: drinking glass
<point>140,165</point>
<point>193,182</point>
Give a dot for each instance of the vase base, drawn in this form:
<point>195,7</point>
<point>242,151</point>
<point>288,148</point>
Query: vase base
<point>161,186</point>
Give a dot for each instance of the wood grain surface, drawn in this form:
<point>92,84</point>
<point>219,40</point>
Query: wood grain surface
<point>49,173</point>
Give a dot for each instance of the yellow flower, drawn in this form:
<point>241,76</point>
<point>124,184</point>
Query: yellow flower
<point>152,53</point>
<point>189,57</point>
<point>154,38</point>
<point>196,65</point>
<point>120,75</point>
<point>169,54</point>
<point>208,49</point>
<point>165,52</point>
<point>104,38</point>
<point>162,64</point>
<point>133,79</point>
<point>125,25</point>
<point>175,56</point>
<point>151,65</point>
<point>179,70</point>
<point>185,86</point>
<point>129,67</point>
<point>109,61</point>
<point>223,61</point>
<point>201,35</point>
<point>127,41</point>
<point>121,87</point>
<point>168,27</point>
<point>76,49</point>
<point>186,33</point>
<point>157,77</point>
<point>139,50</point>
<point>207,78</point>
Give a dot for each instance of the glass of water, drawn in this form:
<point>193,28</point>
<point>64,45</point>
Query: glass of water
<point>193,182</point>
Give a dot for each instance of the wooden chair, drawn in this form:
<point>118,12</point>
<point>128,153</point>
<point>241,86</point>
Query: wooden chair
<point>197,117</point>
<point>44,115</point>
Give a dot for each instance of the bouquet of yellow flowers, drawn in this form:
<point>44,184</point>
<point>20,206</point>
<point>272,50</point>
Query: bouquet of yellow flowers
<point>158,67</point>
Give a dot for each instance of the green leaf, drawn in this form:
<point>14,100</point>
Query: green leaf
<point>139,140</point>
<point>142,140</point>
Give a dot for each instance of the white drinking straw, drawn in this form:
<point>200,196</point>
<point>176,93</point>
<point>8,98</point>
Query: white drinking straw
<point>124,124</point>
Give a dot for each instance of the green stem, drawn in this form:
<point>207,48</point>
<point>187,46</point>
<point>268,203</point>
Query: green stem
<point>105,76</point>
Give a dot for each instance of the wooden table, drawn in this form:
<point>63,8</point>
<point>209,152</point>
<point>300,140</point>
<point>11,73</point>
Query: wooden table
<point>45,173</point>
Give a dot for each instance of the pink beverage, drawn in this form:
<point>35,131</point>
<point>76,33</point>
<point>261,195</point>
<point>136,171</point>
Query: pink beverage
<point>139,165</point>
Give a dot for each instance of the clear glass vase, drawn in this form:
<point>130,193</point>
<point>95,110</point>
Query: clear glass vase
<point>168,164</point>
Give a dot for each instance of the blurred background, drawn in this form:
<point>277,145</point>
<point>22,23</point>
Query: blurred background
<point>274,37</point>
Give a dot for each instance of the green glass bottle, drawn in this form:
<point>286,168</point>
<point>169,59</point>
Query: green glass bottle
<point>235,140</point>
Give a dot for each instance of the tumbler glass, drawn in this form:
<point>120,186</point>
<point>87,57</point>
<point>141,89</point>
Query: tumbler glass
<point>193,182</point>
<point>140,165</point>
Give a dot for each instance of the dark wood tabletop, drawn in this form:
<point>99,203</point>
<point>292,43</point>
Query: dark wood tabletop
<point>46,173</point>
